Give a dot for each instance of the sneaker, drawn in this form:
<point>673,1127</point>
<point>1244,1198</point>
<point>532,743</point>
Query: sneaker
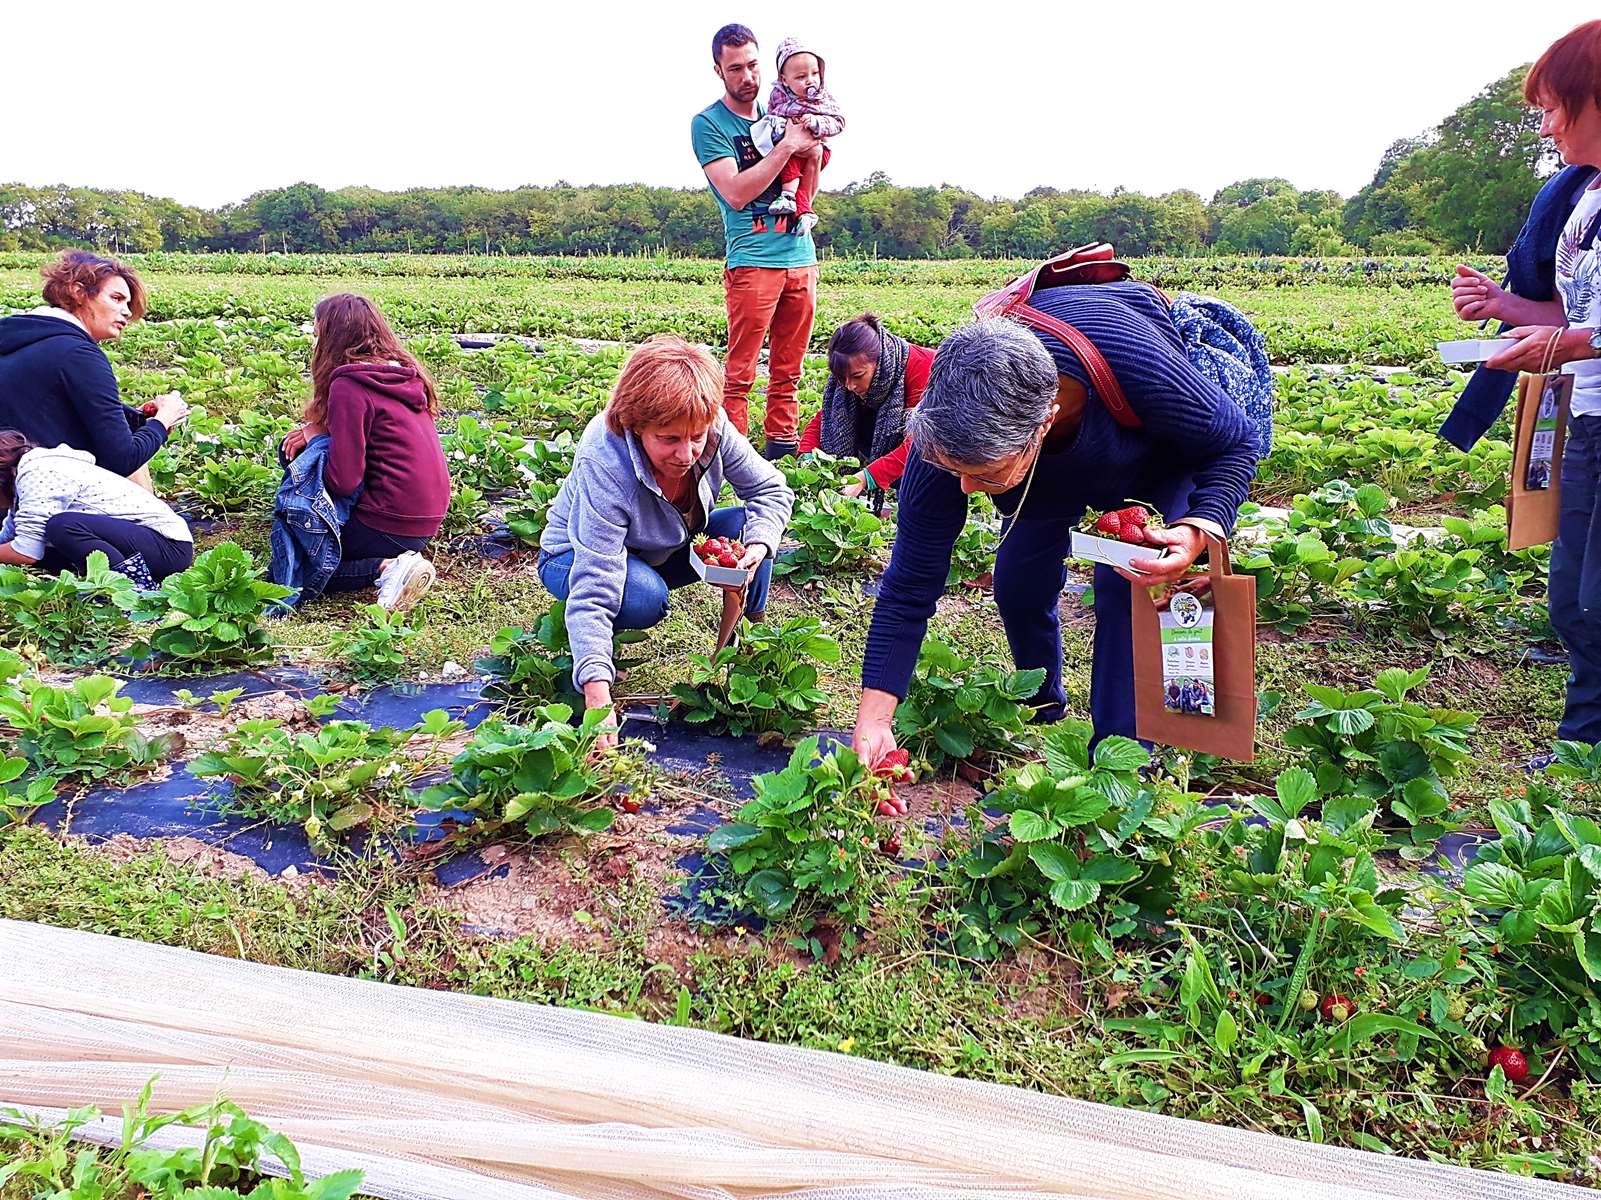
<point>781,206</point>
<point>1538,764</point>
<point>404,581</point>
<point>773,449</point>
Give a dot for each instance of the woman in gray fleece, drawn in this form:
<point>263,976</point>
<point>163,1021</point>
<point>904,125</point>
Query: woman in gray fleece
<point>644,485</point>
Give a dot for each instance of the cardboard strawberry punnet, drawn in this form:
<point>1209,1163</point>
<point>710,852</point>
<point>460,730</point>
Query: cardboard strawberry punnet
<point>720,551</point>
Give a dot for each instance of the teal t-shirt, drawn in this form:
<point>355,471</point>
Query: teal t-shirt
<point>718,133</point>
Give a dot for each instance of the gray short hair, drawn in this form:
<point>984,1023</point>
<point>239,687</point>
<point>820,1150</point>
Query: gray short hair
<point>991,386</point>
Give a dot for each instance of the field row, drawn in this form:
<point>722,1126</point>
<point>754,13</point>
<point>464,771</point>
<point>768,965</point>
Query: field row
<point>1312,323</point>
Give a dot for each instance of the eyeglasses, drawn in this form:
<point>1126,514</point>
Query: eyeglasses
<point>1025,456</point>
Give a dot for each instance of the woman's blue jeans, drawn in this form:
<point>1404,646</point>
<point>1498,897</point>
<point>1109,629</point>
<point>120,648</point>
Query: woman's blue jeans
<point>1575,592</point>
<point>645,593</point>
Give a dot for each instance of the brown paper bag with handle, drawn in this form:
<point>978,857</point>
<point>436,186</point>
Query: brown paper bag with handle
<point>1230,732</point>
<point>1532,512</point>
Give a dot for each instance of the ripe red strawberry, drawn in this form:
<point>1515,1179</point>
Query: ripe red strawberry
<point>1512,1063</point>
<point>726,559</point>
<point>628,804</point>
<point>895,765</point>
<point>1111,524</point>
<point>891,845</point>
<point>148,408</point>
<point>886,808</point>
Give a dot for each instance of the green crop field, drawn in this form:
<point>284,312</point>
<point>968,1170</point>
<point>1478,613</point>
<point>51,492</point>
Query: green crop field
<point>1119,941</point>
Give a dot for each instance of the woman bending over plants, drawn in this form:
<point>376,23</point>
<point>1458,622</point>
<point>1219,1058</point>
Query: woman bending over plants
<point>59,508</point>
<point>376,405</point>
<point>1010,411</point>
<point>643,487</point>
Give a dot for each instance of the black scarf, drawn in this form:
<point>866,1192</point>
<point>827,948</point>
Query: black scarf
<point>886,397</point>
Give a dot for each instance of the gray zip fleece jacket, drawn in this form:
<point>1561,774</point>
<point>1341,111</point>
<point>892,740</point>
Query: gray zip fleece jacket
<point>610,507</point>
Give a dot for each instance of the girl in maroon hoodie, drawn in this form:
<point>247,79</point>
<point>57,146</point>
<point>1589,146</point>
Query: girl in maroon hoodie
<point>377,405</point>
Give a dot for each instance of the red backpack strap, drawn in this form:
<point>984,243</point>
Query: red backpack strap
<point>1100,371</point>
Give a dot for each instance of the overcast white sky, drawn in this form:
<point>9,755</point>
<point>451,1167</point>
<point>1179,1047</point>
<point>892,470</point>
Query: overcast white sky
<point>208,102</point>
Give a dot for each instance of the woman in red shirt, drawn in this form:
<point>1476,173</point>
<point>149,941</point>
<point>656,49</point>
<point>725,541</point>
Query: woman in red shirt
<point>874,379</point>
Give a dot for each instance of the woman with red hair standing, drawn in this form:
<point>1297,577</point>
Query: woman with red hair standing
<point>1565,84</point>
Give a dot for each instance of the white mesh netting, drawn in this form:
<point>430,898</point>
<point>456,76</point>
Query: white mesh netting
<point>440,1096</point>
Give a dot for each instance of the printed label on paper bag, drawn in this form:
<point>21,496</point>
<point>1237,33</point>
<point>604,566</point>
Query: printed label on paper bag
<point>1188,674</point>
<point>1543,445</point>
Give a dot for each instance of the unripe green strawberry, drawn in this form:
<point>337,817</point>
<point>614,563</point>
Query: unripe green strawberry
<point>1456,1009</point>
<point>1308,1000</point>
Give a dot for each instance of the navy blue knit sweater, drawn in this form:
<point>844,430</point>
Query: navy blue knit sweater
<point>1189,427</point>
<point>57,388</point>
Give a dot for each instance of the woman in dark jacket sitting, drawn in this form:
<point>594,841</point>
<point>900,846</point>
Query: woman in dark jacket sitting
<point>56,383</point>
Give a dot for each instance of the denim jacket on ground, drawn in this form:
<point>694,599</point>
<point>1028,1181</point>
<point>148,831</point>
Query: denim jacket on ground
<point>306,522</point>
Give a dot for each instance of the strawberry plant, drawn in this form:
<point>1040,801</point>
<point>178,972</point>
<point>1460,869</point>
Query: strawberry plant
<point>377,647</point>
<point>209,616</point>
<point>1429,592</point>
<point>529,668</point>
<point>82,731</point>
<point>1286,861</point>
<point>228,1163</point>
<point>836,534</point>
<point>1296,578</point>
<point>1576,761</point>
<point>807,844</point>
<point>973,554</point>
<point>216,467</point>
<point>330,779</point>
<point>816,474</point>
<point>1541,884</point>
<point>1076,829</point>
<point>956,709</point>
<point>766,682</point>
<point>547,463</point>
<point>18,796</point>
<point>485,457</point>
<point>1349,520</point>
<point>468,513</point>
<point>1376,745</point>
<point>540,776</point>
<point>74,619</point>
<point>224,486</point>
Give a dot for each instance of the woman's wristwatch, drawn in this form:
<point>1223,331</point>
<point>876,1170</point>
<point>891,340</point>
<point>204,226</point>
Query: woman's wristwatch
<point>1595,343</point>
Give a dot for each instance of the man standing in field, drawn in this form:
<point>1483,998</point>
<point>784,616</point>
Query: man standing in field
<point>770,280</point>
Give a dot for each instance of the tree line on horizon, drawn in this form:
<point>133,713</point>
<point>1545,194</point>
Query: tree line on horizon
<point>1463,185</point>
